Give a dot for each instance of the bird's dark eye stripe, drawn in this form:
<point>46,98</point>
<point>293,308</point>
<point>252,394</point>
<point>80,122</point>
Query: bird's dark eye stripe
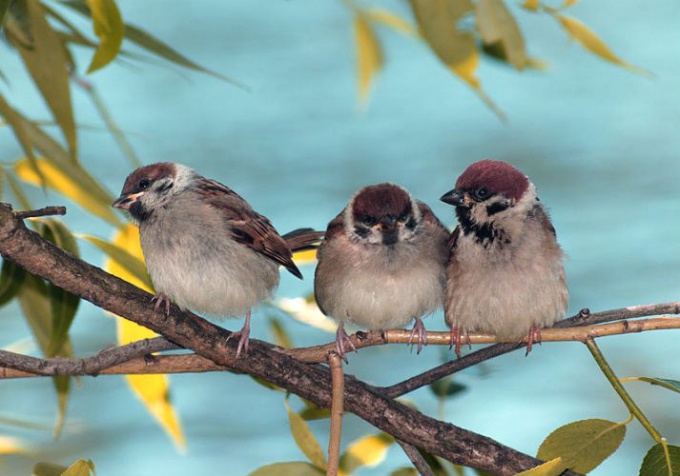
<point>494,208</point>
<point>165,187</point>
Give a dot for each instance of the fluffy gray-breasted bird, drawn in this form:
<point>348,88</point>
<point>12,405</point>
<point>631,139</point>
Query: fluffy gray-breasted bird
<point>505,273</point>
<point>381,263</point>
<point>205,248</point>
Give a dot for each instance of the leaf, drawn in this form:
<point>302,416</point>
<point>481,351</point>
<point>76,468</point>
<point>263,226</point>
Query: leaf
<point>48,469</point>
<point>10,445</point>
<point>446,387</point>
<point>673,385</point>
<point>391,20</point>
<point>305,439</point>
<point>76,187</point>
<point>64,304</point>
<point>554,467</point>
<point>583,35</point>
<point>496,25</point>
<point>281,337</point>
<point>80,468</point>
<point>306,311</point>
<point>17,123</point>
<point>296,468</point>
<point>584,444</point>
<point>109,28</point>
<point>47,62</point>
<point>367,451</point>
<point>304,257</point>
<point>154,45</point>
<point>19,194</point>
<point>659,463</point>
<point>11,278</point>
<point>437,21</point>
<point>153,390</point>
<point>131,267</point>
<point>4,6</point>
<point>531,5</point>
<point>369,55</point>
<point>568,3</point>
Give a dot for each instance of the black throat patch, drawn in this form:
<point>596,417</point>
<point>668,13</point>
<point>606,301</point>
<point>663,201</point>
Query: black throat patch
<point>486,234</point>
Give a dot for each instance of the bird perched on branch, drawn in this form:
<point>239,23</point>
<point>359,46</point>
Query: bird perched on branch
<point>505,273</point>
<point>205,247</point>
<point>381,263</point>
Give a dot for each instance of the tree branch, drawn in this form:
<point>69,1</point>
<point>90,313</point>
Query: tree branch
<point>310,381</point>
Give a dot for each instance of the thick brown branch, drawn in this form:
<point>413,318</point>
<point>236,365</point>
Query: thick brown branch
<point>311,381</point>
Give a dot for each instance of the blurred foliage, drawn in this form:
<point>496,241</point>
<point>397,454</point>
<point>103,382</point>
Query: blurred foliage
<point>460,34</point>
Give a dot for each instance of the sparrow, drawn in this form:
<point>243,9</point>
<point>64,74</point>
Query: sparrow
<point>205,247</point>
<point>381,264</point>
<point>505,274</point>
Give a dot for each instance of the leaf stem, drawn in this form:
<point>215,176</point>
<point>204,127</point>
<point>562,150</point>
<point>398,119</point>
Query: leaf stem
<point>618,387</point>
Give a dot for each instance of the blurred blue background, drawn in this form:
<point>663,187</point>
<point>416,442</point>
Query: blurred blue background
<point>601,144</point>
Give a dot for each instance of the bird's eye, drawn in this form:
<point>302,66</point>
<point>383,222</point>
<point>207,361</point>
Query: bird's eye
<point>482,193</point>
<point>368,220</point>
<point>403,217</point>
<point>144,184</point>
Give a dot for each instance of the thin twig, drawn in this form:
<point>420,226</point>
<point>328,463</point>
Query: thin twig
<point>337,409</point>
<point>416,458</point>
<point>40,212</point>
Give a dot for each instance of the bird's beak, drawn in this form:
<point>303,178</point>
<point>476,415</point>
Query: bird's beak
<point>455,198</point>
<point>124,202</point>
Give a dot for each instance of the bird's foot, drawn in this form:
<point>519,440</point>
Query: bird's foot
<point>243,335</point>
<point>534,337</point>
<point>421,332</point>
<point>341,338</point>
<point>161,299</point>
<point>456,339</point>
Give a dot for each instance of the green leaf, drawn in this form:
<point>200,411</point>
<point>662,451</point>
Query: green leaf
<point>497,26</point>
<point>296,468</point>
<point>153,45</point>
<point>131,263</point>
<point>280,336</point>
<point>659,463</point>
<point>305,439</point>
<point>108,26</point>
<point>17,123</point>
<point>404,472</point>
<point>553,467</point>
<point>584,444</point>
<point>48,469</point>
<point>4,6</point>
<point>48,63</point>
<point>673,385</point>
<point>367,451</point>
<point>446,387</point>
<point>19,194</point>
<point>80,468</point>
<point>11,278</point>
<point>64,304</point>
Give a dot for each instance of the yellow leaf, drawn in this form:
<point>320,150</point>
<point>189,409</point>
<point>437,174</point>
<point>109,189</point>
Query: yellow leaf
<point>306,311</point>
<point>108,26</point>
<point>568,3</point>
<point>554,467</point>
<point>369,55</point>
<point>66,184</point>
<point>9,445</point>
<point>531,5</point>
<point>393,21</point>
<point>80,468</point>
<point>496,25</point>
<point>153,390</point>
<point>304,257</point>
<point>47,62</point>
<point>580,33</point>
<point>305,439</point>
<point>367,451</point>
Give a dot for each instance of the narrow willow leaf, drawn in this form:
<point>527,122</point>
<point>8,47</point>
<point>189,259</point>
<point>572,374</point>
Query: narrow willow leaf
<point>446,387</point>
<point>154,45</point>
<point>11,278</point>
<point>391,20</point>
<point>554,467</point>
<point>109,28</point>
<point>64,304</point>
<point>280,336</point>
<point>17,123</point>
<point>496,25</point>
<point>568,3</point>
<point>312,412</point>
<point>583,35</point>
<point>152,390</point>
<point>74,187</point>
<point>367,451</point>
<point>10,445</point>
<point>584,444</point>
<point>369,55</point>
<point>404,472</point>
<point>80,468</point>
<point>304,257</point>
<point>4,6</point>
<point>48,469</point>
<point>531,5</point>
<point>19,194</point>
<point>293,468</point>
<point>306,311</point>
<point>129,262</point>
<point>48,64</point>
<point>305,439</point>
<point>437,20</point>
<point>673,385</point>
<point>661,462</point>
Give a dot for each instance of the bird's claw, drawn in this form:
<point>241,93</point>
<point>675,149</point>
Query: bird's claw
<point>243,335</point>
<point>421,332</point>
<point>534,337</point>
<point>456,339</point>
<point>341,338</point>
<point>161,299</point>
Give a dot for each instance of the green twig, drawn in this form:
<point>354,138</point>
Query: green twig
<point>618,387</point>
